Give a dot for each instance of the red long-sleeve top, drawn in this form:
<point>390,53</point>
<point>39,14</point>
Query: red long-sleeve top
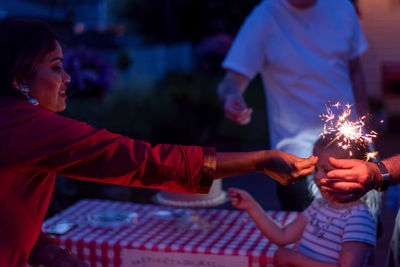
<point>36,144</point>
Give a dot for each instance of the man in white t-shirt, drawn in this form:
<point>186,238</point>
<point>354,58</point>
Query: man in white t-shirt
<point>307,53</point>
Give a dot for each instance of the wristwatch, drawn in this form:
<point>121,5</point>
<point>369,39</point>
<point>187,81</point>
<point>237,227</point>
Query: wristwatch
<point>386,177</point>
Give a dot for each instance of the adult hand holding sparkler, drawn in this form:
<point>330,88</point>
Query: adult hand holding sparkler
<point>346,130</point>
<point>286,168</point>
<point>351,180</point>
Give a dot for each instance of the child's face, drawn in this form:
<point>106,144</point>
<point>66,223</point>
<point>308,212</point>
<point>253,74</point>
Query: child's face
<point>323,166</point>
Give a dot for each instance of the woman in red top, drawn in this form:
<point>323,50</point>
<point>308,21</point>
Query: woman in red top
<point>36,144</point>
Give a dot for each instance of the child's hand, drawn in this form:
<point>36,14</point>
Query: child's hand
<point>284,256</point>
<point>240,199</point>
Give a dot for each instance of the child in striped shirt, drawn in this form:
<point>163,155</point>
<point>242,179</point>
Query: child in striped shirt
<point>330,233</point>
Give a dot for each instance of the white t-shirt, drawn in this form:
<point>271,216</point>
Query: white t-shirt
<point>330,224</point>
<point>302,56</point>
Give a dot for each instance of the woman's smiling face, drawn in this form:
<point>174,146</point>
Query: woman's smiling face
<point>49,81</point>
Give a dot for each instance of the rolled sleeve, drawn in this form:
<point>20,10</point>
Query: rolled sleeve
<point>209,168</point>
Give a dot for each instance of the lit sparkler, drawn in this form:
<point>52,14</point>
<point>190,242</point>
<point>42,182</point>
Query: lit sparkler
<point>371,155</point>
<point>346,131</point>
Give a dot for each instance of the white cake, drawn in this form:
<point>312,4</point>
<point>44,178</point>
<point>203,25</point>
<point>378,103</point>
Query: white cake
<point>215,197</point>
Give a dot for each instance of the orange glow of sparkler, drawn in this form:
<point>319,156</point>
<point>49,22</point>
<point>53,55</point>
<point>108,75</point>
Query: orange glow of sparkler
<point>346,131</point>
<point>371,155</point>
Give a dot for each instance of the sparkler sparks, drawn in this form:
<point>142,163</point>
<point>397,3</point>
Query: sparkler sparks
<point>346,131</point>
<point>371,155</point>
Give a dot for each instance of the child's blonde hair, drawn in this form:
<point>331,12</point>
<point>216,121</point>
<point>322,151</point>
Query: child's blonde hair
<point>358,151</point>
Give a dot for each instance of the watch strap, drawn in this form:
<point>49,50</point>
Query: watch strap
<point>386,177</point>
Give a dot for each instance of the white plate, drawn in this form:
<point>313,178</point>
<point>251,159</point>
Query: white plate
<point>112,218</point>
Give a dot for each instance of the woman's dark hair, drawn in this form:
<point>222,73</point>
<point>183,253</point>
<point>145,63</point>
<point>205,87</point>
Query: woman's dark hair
<point>358,150</point>
<point>23,44</point>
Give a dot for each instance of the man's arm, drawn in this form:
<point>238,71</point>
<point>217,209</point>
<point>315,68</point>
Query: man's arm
<point>359,86</point>
<point>393,166</point>
<point>230,92</point>
<point>233,83</point>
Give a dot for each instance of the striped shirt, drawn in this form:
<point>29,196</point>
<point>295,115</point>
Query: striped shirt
<point>330,224</point>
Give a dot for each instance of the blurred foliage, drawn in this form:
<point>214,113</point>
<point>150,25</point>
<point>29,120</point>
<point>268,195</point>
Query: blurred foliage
<point>181,109</point>
<point>181,20</point>
<point>61,3</point>
<point>92,74</point>
<point>211,51</point>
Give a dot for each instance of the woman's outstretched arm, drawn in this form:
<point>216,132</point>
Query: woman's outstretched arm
<point>279,165</point>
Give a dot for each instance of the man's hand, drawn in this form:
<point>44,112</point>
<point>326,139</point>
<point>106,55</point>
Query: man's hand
<point>286,168</point>
<point>236,109</point>
<point>230,91</point>
<point>351,180</point>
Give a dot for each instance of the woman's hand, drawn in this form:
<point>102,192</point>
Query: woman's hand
<point>286,168</point>
<point>241,199</point>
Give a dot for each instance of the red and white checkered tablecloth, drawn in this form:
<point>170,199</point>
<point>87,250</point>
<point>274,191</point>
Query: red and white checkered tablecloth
<point>231,239</point>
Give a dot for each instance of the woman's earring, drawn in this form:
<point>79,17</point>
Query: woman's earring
<point>25,90</point>
<point>33,101</point>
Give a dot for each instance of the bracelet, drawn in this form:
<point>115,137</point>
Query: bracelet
<point>60,257</point>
